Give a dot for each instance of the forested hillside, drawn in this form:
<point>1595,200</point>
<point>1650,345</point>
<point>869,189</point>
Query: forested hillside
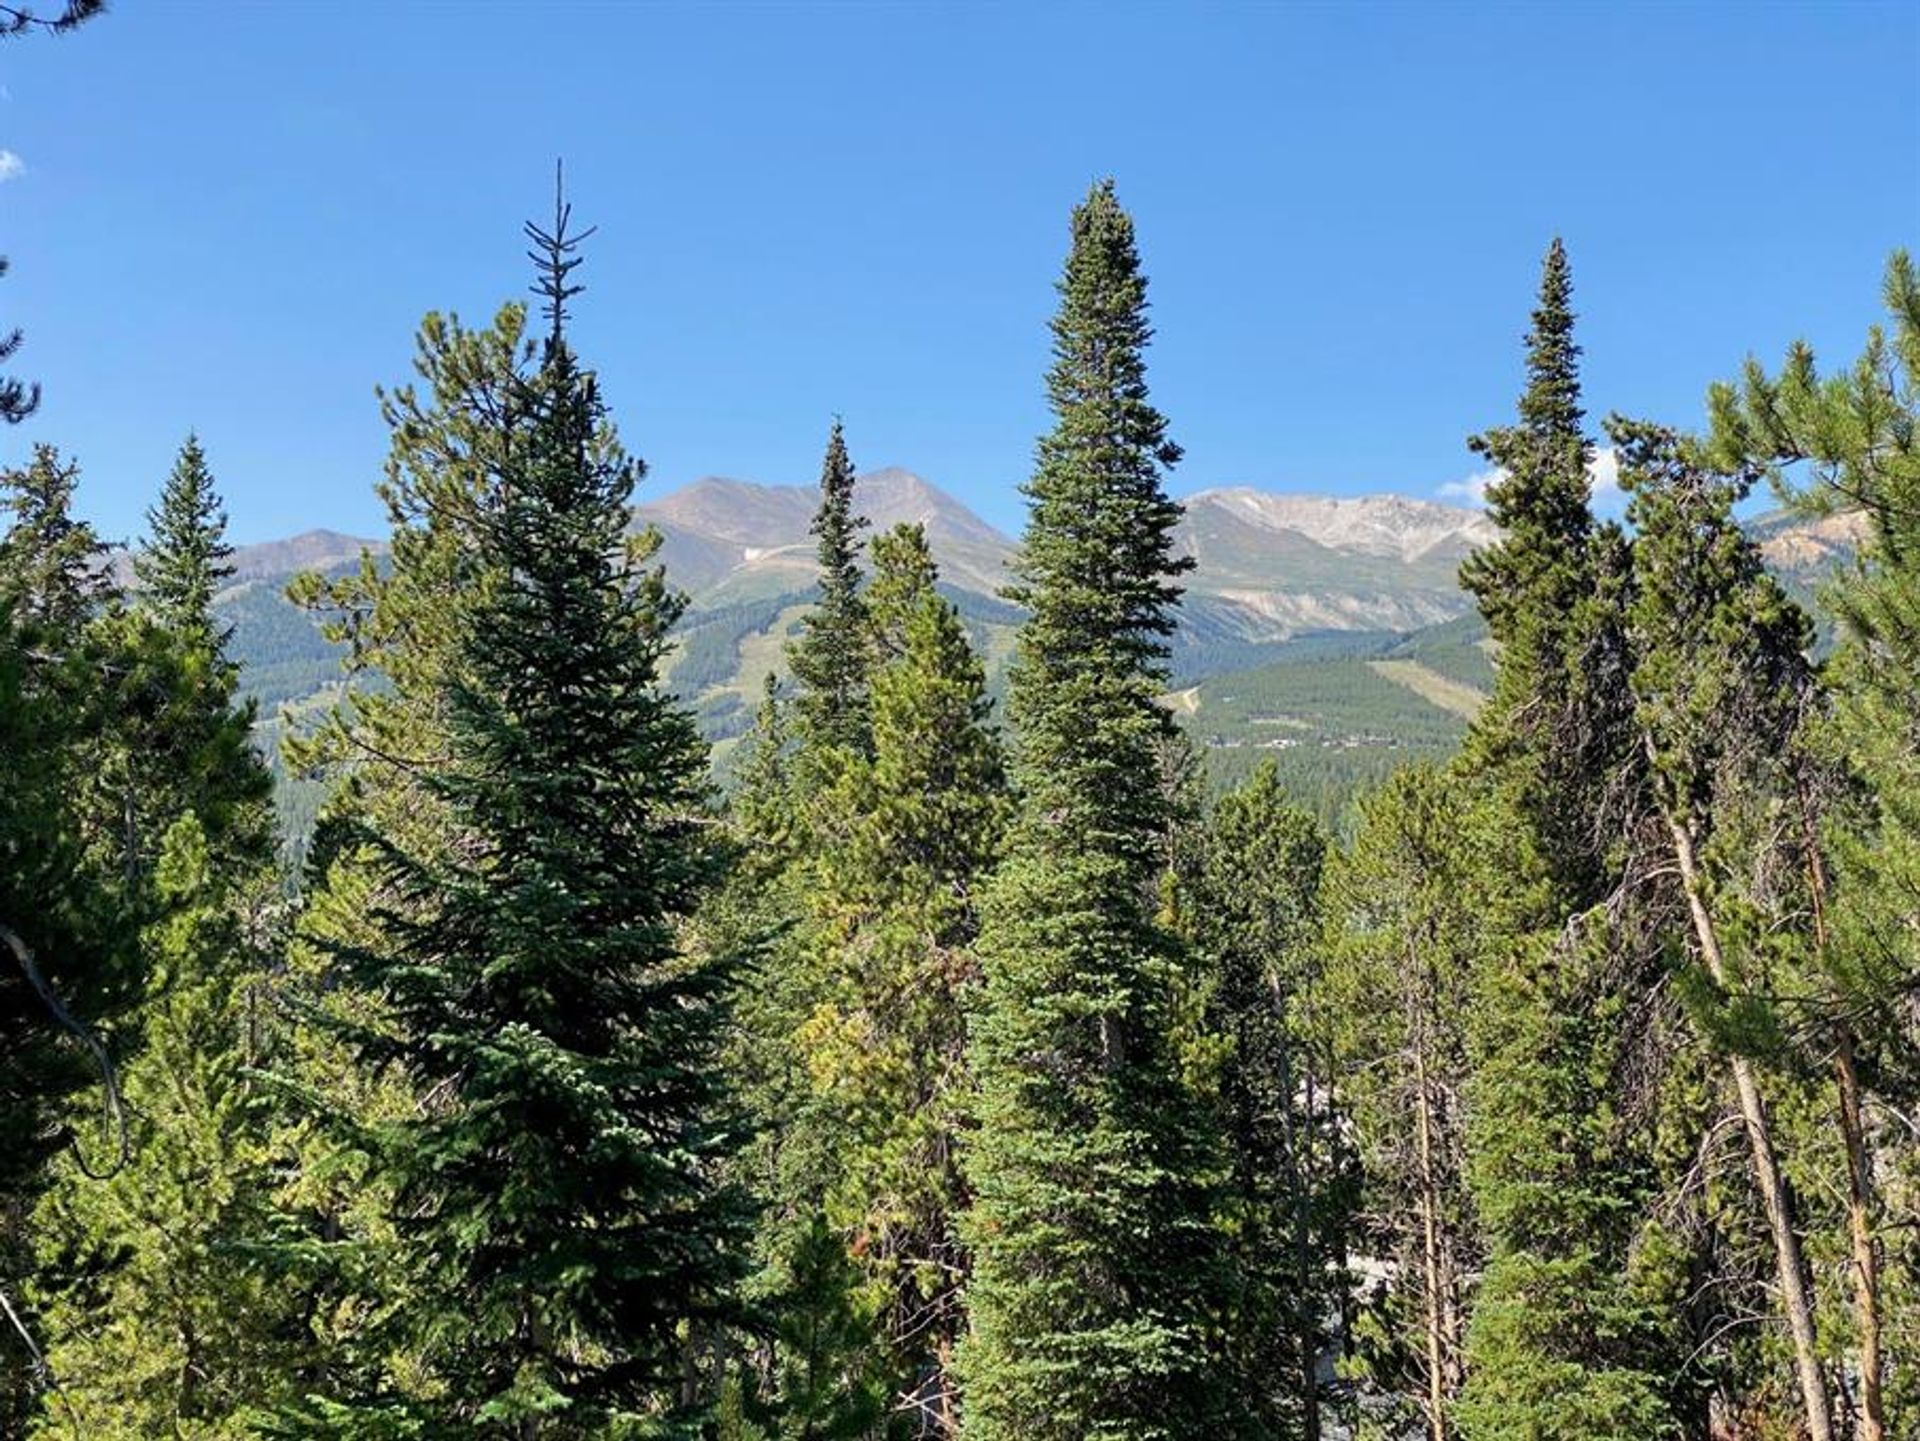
<point>781,964</point>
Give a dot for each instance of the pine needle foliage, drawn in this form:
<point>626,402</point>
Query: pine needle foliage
<point>185,560</point>
<point>558,1194</point>
<point>829,660</point>
<point>1092,1169</point>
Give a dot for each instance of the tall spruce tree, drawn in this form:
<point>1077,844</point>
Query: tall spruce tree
<point>558,1199</point>
<point>1092,1167</point>
<point>829,660</point>
<point>200,757</point>
<point>185,559</point>
<point>1549,592</point>
<point>401,620</point>
<point>1564,1341</point>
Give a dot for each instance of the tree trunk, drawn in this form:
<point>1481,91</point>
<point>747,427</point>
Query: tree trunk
<point>1430,1242</point>
<point>1773,1190</point>
<point>1309,1387</point>
<point>1866,1251</point>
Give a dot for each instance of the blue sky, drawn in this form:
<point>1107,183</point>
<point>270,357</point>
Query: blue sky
<point>231,218</point>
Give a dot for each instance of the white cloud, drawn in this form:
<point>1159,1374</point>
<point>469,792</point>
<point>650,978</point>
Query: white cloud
<point>1603,473</point>
<point>1473,489</point>
<point>12,167</point>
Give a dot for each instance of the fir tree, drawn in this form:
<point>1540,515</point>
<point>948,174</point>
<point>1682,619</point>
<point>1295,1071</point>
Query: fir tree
<point>70,908</point>
<point>195,754</point>
<point>1556,720</point>
<point>184,562</point>
<point>1565,1341</point>
<point>51,563</point>
<point>903,575</point>
<point>401,621</point>
<point>1720,683</point>
<point>558,1201</point>
<point>67,964</point>
<point>179,799</point>
<point>1289,1188</point>
<point>763,799</point>
<point>829,660</point>
<point>1091,1171</point>
<point>815,1365</point>
<point>1412,912</point>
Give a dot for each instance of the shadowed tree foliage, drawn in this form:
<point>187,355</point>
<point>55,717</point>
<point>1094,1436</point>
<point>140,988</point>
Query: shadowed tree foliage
<point>18,398</point>
<point>1290,1185</point>
<point>23,19</point>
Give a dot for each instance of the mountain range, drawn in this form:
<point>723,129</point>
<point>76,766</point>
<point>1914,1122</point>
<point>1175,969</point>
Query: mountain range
<point>1326,633</point>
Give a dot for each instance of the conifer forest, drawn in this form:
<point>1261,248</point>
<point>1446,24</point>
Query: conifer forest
<point>959,1061</point>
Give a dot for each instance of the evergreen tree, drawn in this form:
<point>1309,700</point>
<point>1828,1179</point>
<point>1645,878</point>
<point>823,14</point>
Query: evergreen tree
<point>162,1321</point>
<point>67,965</point>
<point>194,752</point>
<point>1290,1185</point>
<point>1092,1171</point>
<point>558,1200</point>
<point>1564,1341</point>
<point>401,621</point>
<point>1413,911</point>
<point>903,574</point>
<point>829,660</point>
<point>825,1382</point>
<point>815,1365</point>
<point>179,797</point>
<point>70,906</point>
<point>18,398</point>
<point>1720,682</point>
<point>184,562</point>
<point>1549,592</point>
<point>911,836</point>
<point>763,800</point>
<point>52,565</point>
<point>1855,433</point>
